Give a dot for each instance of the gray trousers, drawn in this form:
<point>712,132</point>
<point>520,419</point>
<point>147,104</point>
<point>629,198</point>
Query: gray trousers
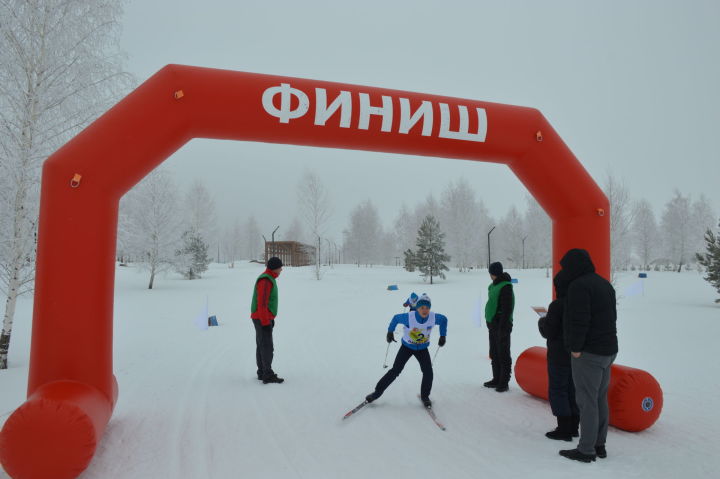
<point>591,375</point>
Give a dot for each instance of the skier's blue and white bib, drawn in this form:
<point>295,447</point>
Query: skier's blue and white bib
<point>417,333</point>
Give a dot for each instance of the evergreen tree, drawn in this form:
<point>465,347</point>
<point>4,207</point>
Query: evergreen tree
<point>409,260</point>
<point>711,259</point>
<point>192,258</point>
<point>430,257</point>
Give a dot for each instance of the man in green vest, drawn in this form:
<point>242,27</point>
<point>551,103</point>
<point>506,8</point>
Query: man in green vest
<point>499,317</point>
<point>262,312</point>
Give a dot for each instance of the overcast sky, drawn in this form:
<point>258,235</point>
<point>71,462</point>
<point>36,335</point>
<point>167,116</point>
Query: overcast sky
<point>633,87</point>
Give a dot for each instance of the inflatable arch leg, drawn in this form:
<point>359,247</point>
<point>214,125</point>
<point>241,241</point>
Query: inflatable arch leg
<point>634,397</point>
<point>71,390</point>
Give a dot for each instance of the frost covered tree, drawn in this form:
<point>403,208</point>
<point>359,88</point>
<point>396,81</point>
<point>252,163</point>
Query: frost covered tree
<point>404,230</point>
<point>703,218</point>
<point>538,235</point>
<point>644,231</point>
<point>461,219</point>
<point>60,68</point>
<point>509,236</point>
<point>621,217</point>
<point>314,203</point>
<point>711,259</point>
<point>253,240</point>
<point>200,212</point>
<point>676,230</point>
<point>295,232</point>
<point>232,243</point>
<point>150,222</point>
<point>430,256</point>
<point>364,235</point>
<point>192,260</point>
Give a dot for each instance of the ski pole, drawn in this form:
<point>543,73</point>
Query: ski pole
<point>385,364</point>
<point>435,355</point>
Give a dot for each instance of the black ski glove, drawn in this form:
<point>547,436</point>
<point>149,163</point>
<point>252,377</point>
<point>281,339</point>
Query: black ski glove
<point>441,342</point>
<point>390,337</point>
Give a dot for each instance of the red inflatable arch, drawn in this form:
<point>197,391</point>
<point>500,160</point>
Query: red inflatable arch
<point>635,398</point>
<point>71,388</point>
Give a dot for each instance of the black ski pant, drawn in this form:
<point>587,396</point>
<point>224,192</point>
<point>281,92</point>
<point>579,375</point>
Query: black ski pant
<point>499,333</point>
<point>403,355</point>
<point>264,348</point>
<point>561,390</point>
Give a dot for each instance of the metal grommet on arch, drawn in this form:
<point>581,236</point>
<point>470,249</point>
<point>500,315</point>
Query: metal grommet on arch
<point>75,181</point>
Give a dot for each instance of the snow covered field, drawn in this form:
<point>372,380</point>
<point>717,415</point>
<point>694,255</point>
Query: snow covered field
<point>191,407</point>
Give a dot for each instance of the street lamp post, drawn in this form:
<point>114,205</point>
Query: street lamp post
<point>488,236</point>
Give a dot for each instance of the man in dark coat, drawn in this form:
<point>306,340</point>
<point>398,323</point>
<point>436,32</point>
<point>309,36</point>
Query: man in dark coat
<point>499,318</point>
<point>561,389</point>
<point>590,334</point>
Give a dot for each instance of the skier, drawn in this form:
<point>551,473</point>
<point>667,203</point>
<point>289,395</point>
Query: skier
<point>415,342</point>
<point>411,301</point>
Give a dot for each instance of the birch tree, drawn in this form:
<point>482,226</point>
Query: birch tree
<point>538,234</point>
<point>151,222</point>
<point>676,231</point>
<point>645,233</point>
<point>703,219</point>
<point>314,203</point>
<point>461,220</point>
<point>232,243</point>
<point>511,231</point>
<point>200,212</point>
<point>253,239</point>
<point>621,217</point>
<point>364,235</point>
<point>60,68</point>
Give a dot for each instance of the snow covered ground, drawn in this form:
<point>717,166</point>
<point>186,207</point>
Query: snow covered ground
<point>191,407</point>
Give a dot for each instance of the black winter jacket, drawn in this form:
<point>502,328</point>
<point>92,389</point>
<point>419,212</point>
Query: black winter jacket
<point>590,308</point>
<point>551,325</point>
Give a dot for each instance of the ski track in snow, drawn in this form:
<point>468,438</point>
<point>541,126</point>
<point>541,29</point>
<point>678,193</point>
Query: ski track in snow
<point>191,407</point>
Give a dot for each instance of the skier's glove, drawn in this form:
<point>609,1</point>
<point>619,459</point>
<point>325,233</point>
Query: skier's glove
<point>441,342</point>
<point>391,337</point>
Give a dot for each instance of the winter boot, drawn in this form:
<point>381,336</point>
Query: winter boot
<point>501,388</point>
<point>575,425</point>
<point>371,397</point>
<point>601,452</point>
<point>272,378</point>
<point>576,455</point>
<point>493,383</point>
<point>563,430</point>
<point>426,402</point>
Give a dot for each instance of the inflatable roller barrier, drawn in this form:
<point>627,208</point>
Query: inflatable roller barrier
<point>635,398</point>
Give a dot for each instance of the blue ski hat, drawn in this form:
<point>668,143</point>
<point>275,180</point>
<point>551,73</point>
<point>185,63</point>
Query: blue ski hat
<point>412,299</point>
<point>424,300</point>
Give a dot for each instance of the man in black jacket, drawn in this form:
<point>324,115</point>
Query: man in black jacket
<point>561,389</point>
<point>590,334</point>
<point>499,318</point>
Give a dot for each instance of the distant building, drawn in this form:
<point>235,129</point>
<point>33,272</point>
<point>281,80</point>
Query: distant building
<point>291,253</point>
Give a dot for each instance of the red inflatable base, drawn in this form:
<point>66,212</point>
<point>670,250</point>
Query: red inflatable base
<point>635,397</point>
<point>53,435</point>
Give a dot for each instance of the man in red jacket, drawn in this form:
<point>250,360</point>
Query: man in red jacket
<point>263,311</point>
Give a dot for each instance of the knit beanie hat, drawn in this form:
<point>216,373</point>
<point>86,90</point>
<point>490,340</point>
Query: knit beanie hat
<point>496,268</point>
<point>274,263</point>
<point>424,300</point>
